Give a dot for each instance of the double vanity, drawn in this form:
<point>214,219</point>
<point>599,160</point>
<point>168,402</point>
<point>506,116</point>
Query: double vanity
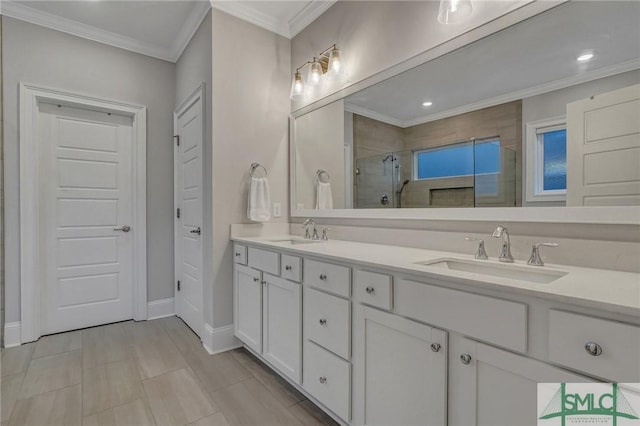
<point>378,334</point>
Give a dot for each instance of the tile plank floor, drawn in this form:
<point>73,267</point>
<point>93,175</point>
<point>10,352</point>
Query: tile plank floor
<point>144,373</point>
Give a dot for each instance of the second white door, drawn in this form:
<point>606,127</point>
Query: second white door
<point>188,124</point>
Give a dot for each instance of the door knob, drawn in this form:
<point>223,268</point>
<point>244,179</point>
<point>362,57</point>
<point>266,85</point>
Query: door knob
<point>196,231</point>
<point>125,228</point>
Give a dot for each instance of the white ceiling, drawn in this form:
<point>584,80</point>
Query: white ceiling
<point>158,28</point>
<point>533,57</point>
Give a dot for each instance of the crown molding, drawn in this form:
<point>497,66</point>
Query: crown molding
<point>357,109</point>
<point>189,28</point>
<point>307,15</point>
<point>89,32</point>
<point>252,16</point>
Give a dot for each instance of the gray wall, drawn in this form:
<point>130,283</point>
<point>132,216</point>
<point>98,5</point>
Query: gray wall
<point>251,105</point>
<point>192,69</point>
<point>41,56</point>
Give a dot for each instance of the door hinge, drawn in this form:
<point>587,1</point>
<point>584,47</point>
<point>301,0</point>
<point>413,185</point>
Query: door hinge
<point>177,137</point>
<point>178,285</point>
<point>178,213</point>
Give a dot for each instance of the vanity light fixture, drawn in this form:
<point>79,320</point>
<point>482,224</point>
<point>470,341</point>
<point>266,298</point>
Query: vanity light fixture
<point>454,11</point>
<point>328,65</point>
<point>584,57</point>
<point>427,104</point>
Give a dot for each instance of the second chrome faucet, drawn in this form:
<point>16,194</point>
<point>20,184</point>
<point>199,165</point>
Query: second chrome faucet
<point>505,251</point>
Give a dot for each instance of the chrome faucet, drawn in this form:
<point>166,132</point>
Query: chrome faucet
<point>505,252</point>
<point>314,234</point>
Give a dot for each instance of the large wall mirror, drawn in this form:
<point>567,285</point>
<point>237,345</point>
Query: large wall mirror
<point>543,113</point>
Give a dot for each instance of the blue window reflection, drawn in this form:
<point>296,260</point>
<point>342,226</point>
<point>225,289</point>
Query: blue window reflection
<point>459,160</point>
<point>555,160</point>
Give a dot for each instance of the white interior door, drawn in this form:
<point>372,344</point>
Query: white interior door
<point>85,181</point>
<point>603,149</point>
<point>188,188</point>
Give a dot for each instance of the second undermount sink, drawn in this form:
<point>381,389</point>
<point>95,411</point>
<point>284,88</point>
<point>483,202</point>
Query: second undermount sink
<point>502,270</point>
<point>294,241</point>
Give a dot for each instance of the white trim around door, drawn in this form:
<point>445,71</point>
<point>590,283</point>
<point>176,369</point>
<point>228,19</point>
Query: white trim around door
<point>30,272</point>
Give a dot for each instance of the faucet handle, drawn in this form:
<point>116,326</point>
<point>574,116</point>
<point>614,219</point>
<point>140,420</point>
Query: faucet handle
<point>535,258</point>
<point>325,237</point>
<point>481,252</point>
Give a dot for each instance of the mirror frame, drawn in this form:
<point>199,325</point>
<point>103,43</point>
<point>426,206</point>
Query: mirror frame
<point>616,215</point>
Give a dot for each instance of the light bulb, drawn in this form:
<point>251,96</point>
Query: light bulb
<point>336,70</point>
<point>315,73</point>
<point>297,88</point>
<point>454,11</point>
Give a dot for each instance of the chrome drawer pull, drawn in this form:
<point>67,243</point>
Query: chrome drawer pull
<point>323,380</point>
<point>435,347</point>
<point>323,277</point>
<point>323,321</point>
<point>370,290</point>
<point>593,349</point>
<point>288,268</point>
<point>465,359</point>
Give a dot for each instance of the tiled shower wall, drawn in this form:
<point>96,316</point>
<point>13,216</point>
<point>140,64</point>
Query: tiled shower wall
<point>372,137</point>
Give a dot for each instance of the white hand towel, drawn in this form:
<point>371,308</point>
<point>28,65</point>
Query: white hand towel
<point>259,209</point>
<point>324,198</point>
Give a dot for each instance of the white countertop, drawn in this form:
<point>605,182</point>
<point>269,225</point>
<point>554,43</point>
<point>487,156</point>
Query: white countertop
<point>601,289</point>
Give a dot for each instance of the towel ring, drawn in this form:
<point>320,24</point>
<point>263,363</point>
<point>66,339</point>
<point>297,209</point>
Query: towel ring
<point>322,176</point>
<point>256,166</point>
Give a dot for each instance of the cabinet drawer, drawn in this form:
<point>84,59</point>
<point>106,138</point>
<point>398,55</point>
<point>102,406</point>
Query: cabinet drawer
<point>373,289</point>
<point>328,378</point>
<point>291,268</point>
<point>264,260</point>
<point>326,276</point>
<point>240,254</point>
<point>492,320</point>
<point>619,343</point>
<point>327,321</point>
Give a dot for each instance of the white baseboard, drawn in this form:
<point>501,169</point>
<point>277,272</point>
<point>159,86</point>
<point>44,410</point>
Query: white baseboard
<point>221,339</point>
<point>160,309</point>
<point>12,336</point>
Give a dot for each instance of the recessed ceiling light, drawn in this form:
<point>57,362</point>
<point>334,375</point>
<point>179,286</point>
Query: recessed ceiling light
<point>427,104</point>
<point>585,57</point>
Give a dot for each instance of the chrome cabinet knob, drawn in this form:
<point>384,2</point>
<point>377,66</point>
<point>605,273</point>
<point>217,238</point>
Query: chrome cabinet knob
<point>322,380</point>
<point>264,282</point>
<point>237,254</point>
<point>323,277</point>
<point>593,349</point>
<point>255,280</point>
<point>125,228</point>
<point>323,321</point>
<point>288,268</point>
<point>370,290</point>
<point>465,359</point>
<point>435,347</point>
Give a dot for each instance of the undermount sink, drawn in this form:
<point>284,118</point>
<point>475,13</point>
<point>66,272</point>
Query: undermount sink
<point>516,272</point>
<point>294,241</point>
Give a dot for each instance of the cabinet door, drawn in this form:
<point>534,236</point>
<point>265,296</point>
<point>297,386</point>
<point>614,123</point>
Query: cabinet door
<point>399,378</point>
<point>247,311</point>
<point>497,387</point>
<point>282,339</point>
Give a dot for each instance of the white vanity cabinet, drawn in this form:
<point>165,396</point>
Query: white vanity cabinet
<point>381,346</point>
<point>267,311</point>
<point>490,386</point>
<point>400,370</point>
